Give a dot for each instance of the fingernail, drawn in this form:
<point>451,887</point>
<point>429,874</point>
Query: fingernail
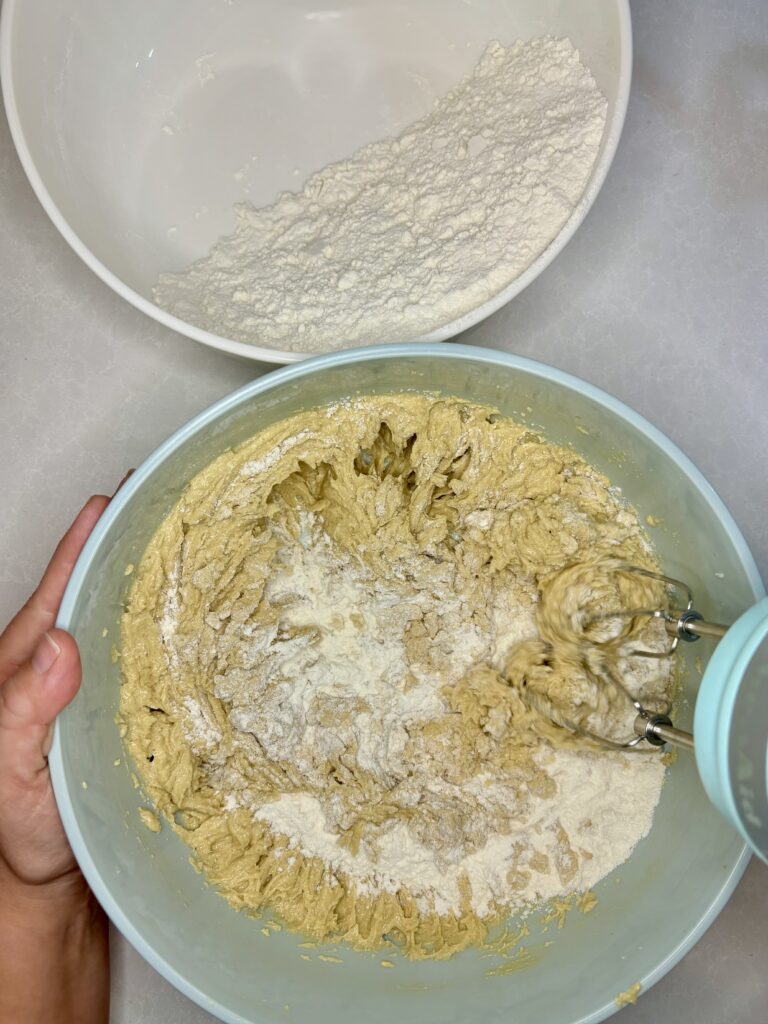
<point>127,475</point>
<point>46,652</point>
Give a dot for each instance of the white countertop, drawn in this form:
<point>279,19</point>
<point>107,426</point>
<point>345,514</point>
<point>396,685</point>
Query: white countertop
<point>660,298</point>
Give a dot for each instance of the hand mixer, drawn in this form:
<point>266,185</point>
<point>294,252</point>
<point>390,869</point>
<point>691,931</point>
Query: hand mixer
<point>731,714</point>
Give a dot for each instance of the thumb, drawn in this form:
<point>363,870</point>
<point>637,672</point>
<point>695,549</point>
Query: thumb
<point>32,698</point>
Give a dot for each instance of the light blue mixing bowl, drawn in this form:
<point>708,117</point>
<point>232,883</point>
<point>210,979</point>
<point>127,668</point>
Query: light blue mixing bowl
<point>650,911</point>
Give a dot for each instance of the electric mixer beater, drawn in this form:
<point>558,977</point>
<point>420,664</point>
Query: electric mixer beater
<point>731,714</point>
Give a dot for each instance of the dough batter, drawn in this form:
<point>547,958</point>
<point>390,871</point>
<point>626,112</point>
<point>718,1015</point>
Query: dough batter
<point>315,660</point>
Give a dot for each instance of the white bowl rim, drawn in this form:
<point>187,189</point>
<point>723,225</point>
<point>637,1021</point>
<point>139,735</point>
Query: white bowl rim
<point>264,354</point>
<point>263,384</point>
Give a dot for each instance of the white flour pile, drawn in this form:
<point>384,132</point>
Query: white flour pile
<point>410,233</point>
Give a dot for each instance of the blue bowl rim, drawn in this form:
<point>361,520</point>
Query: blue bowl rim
<point>459,353</point>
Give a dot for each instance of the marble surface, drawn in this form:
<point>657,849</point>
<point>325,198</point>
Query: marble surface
<point>660,298</point>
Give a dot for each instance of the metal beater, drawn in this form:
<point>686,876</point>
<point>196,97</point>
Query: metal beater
<point>681,623</point>
<point>731,713</point>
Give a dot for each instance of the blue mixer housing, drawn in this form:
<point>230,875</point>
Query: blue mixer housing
<point>731,727</point>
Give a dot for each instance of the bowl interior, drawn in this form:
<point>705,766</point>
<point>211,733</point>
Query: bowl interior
<point>141,130</point>
<point>650,910</point>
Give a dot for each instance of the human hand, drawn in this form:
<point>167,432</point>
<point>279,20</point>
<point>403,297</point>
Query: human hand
<point>39,676</point>
<point>53,935</point>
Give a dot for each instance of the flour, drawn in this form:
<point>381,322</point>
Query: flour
<point>167,623</point>
<point>601,808</point>
<point>341,640</point>
<point>340,644</point>
<point>272,457</point>
<point>201,729</point>
<point>410,233</point>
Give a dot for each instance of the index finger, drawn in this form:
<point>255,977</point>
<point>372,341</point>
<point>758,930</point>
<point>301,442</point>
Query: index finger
<point>38,615</point>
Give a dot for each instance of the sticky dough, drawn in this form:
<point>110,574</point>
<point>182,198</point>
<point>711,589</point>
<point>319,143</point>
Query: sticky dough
<point>416,491</point>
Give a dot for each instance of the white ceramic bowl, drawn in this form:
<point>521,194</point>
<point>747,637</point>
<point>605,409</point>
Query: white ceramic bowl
<point>138,123</point>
